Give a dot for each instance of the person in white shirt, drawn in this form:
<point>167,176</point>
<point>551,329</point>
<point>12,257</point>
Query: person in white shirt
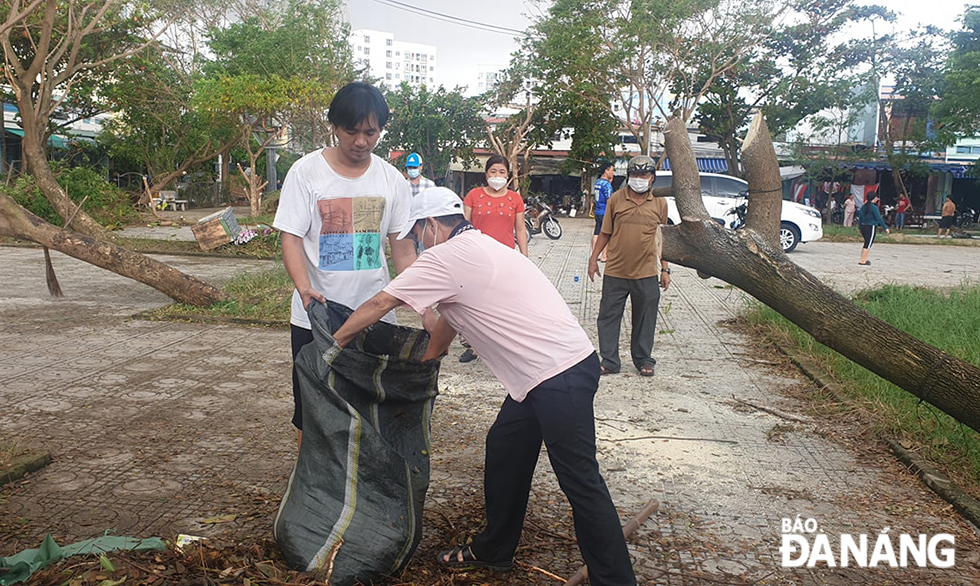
<point>511,313</point>
<point>337,207</point>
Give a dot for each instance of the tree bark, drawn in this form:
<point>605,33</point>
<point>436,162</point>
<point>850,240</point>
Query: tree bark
<point>748,259</point>
<point>37,163</point>
<point>16,222</point>
<point>765,185</point>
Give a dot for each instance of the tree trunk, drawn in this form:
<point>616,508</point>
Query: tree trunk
<point>226,173</point>
<point>37,163</point>
<point>749,261</point>
<point>254,186</point>
<point>16,222</point>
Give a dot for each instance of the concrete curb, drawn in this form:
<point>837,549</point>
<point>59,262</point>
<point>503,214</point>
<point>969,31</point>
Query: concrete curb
<point>216,319</point>
<point>939,483</point>
<point>24,465</point>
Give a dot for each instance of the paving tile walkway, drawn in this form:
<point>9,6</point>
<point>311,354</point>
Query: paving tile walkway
<point>157,426</point>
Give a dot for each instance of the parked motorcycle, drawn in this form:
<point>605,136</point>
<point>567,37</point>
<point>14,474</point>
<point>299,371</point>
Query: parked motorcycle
<point>964,218</point>
<point>548,220</point>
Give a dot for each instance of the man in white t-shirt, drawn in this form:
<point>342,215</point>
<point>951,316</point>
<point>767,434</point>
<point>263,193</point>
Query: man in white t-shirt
<point>337,207</point>
<point>520,325</point>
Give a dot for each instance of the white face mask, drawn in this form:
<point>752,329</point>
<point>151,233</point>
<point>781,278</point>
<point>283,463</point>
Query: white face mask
<point>639,185</point>
<point>497,183</point>
<point>414,172</point>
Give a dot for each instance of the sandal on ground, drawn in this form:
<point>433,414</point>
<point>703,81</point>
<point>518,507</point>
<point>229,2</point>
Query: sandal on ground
<point>604,370</point>
<point>467,356</point>
<point>865,263</point>
<point>451,559</point>
<point>646,370</point>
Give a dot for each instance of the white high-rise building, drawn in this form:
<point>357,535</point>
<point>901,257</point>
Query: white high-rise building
<point>484,77</point>
<point>393,62</point>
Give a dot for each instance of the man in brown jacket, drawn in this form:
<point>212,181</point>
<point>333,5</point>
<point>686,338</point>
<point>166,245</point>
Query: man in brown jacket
<point>634,267</point>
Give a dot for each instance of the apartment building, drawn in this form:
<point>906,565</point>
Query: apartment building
<point>392,61</point>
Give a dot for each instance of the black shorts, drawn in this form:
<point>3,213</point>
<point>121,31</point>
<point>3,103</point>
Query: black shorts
<point>299,337</point>
<point>946,222</point>
<point>598,224</point>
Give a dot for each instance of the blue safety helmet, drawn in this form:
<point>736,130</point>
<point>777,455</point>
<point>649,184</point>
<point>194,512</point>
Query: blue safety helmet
<point>413,160</point>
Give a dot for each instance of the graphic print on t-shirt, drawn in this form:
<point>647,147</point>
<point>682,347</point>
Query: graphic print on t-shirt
<point>350,233</point>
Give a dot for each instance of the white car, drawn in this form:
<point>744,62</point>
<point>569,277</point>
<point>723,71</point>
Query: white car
<point>721,194</point>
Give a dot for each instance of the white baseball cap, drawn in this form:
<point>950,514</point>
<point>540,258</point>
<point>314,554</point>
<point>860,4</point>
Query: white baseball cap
<point>433,202</point>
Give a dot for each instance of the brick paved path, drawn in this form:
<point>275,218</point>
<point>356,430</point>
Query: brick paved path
<point>155,427</point>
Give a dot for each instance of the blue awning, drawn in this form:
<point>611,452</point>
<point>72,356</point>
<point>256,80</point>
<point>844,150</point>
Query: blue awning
<point>958,171</point>
<point>705,165</point>
<point>55,140</point>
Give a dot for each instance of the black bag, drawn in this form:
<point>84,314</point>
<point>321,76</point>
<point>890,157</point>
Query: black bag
<point>353,506</point>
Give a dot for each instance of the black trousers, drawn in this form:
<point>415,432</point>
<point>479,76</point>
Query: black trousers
<point>645,297</point>
<point>559,412</point>
<point>298,337</point>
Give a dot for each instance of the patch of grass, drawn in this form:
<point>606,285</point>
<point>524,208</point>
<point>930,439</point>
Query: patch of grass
<point>264,246</point>
<point>949,320</point>
<point>263,296</point>
<point>838,233</point>
<point>9,449</point>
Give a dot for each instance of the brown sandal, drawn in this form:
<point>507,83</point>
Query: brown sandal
<point>461,558</point>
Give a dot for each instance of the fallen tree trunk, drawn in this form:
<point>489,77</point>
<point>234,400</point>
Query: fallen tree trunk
<point>16,222</point>
<point>754,262</point>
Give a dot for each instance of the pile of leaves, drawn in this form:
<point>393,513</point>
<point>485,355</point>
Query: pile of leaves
<point>255,564</point>
<point>202,562</point>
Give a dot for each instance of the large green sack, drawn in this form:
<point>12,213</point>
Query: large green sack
<point>353,505</point>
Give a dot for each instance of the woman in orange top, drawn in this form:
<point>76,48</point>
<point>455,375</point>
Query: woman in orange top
<point>495,210</point>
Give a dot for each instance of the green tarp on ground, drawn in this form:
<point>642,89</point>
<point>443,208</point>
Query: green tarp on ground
<point>19,568</point>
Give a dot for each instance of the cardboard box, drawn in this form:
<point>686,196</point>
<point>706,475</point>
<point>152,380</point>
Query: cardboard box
<point>217,229</point>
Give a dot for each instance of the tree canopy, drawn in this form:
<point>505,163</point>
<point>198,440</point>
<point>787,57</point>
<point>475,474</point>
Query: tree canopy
<point>959,108</point>
<point>441,125</point>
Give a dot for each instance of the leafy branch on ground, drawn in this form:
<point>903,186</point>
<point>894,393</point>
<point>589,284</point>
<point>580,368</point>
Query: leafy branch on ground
<point>262,296</point>
<point>947,319</point>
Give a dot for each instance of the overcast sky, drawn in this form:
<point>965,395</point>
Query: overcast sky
<point>461,47</point>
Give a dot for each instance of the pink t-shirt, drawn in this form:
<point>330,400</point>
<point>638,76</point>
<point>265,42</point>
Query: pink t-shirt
<point>503,305</point>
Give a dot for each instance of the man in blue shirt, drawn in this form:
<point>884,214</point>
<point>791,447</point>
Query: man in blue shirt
<point>602,190</point>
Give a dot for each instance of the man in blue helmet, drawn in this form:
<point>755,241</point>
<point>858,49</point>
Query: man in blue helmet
<point>416,181</point>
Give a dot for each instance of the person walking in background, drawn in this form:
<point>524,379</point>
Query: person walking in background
<point>849,209</point>
<point>601,192</point>
<point>417,182</point>
<point>901,208</point>
<point>870,219</point>
<point>946,221</point>
<point>337,205</point>
<point>634,267</point>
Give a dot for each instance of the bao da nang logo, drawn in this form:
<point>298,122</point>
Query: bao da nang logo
<point>804,545</point>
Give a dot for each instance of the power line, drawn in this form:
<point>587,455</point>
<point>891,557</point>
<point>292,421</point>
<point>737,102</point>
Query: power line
<point>491,28</point>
